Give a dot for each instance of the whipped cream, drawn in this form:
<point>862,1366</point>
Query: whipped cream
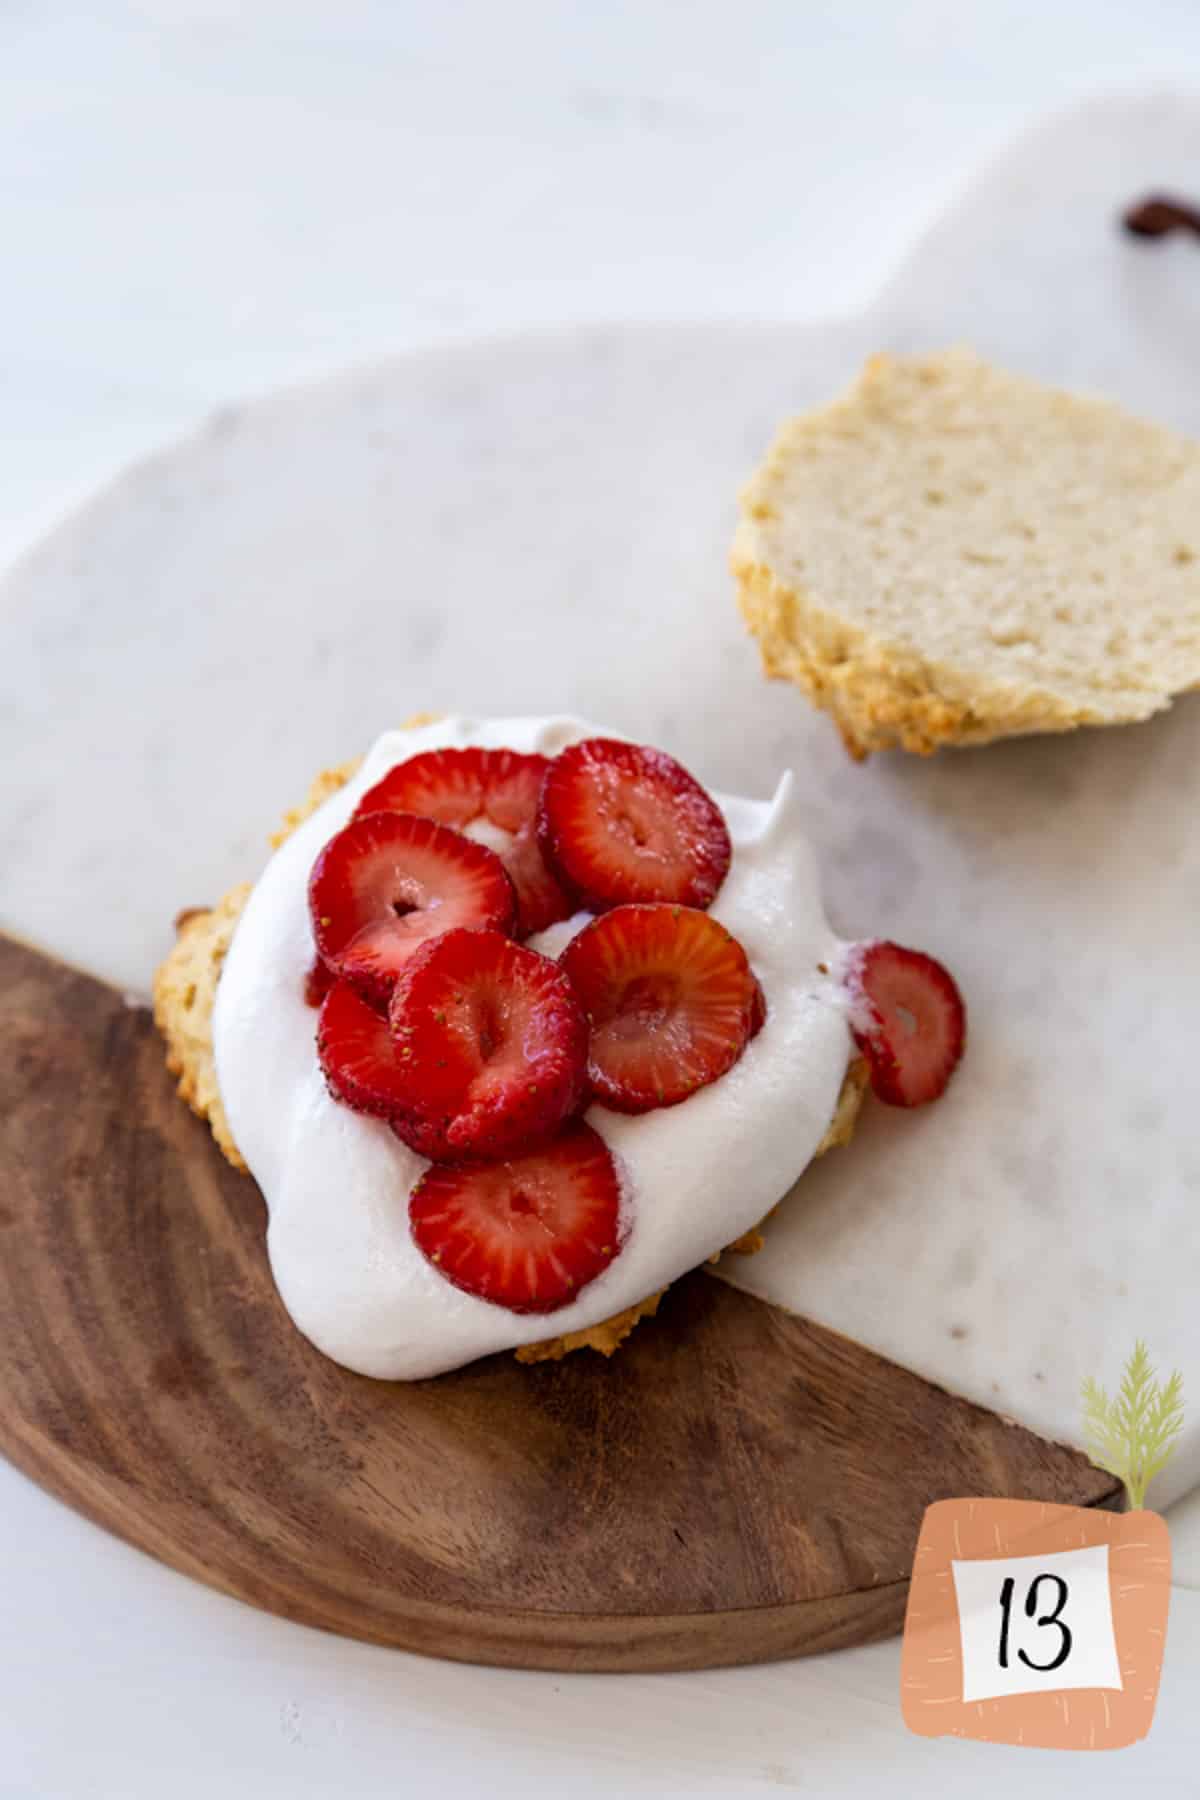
<point>695,1176</point>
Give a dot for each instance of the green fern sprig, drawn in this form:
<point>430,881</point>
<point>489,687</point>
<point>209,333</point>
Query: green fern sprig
<point>1134,1435</point>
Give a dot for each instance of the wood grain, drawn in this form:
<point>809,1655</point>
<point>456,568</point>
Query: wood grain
<point>735,1485</point>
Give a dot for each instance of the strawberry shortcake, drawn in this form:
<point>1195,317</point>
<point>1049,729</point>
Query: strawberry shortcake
<point>520,1024</point>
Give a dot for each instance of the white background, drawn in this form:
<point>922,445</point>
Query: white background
<point>199,201</point>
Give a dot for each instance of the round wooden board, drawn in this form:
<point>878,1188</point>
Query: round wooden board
<point>735,1485</point>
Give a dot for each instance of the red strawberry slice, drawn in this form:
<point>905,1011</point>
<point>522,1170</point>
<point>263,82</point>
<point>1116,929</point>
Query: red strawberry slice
<point>541,899</point>
<point>908,1020</point>
<point>357,1054</point>
<point>457,787</point>
<point>670,999</point>
<point>513,787</point>
<point>621,823</point>
<point>511,799</point>
<point>491,1048</point>
<point>389,881</point>
<point>317,982</point>
<point>446,785</point>
<point>528,1234</point>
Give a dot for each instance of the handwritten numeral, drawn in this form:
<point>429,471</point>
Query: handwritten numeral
<point>1053,1617</point>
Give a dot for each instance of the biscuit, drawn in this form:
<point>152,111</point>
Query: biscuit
<point>950,554</point>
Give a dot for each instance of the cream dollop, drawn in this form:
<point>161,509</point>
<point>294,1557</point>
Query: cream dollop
<point>695,1176</point>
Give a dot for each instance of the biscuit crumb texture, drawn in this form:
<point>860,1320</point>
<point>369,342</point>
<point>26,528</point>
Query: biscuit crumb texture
<point>606,1337</point>
<point>185,990</point>
<point>185,986</point>
<point>950,554</point>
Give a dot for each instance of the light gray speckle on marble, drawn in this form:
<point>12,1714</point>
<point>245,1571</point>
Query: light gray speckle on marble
<point>542,524</point>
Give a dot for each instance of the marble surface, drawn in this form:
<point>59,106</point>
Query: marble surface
<point>440,530</point>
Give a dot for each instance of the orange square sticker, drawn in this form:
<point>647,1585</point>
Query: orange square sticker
<point>1035,1624</point>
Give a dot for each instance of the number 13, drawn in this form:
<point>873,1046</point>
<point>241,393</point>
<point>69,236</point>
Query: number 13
<point>1053,1617</point>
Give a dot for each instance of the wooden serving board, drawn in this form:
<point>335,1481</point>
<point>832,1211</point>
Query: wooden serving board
<point>735,1485</point>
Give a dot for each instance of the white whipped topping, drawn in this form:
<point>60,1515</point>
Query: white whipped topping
<point>696,1175</point>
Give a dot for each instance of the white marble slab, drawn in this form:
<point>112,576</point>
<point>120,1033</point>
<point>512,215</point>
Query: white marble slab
<point>542,523</point>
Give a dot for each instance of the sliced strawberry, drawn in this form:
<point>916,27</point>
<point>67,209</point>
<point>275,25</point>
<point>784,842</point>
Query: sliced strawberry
<point>458,787</point>
<point>621,823</point>
<point>389,881</point>
<point>446,785</point>
<point>356,1052</point>
<point>317,982</point>
<point>513,787</point>
<point>908,1020</point>
<point>511,799</point>
<point>529,1233</point>
<point>491,1047</point>
<point>541,899</point>
<point>670,999</point>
